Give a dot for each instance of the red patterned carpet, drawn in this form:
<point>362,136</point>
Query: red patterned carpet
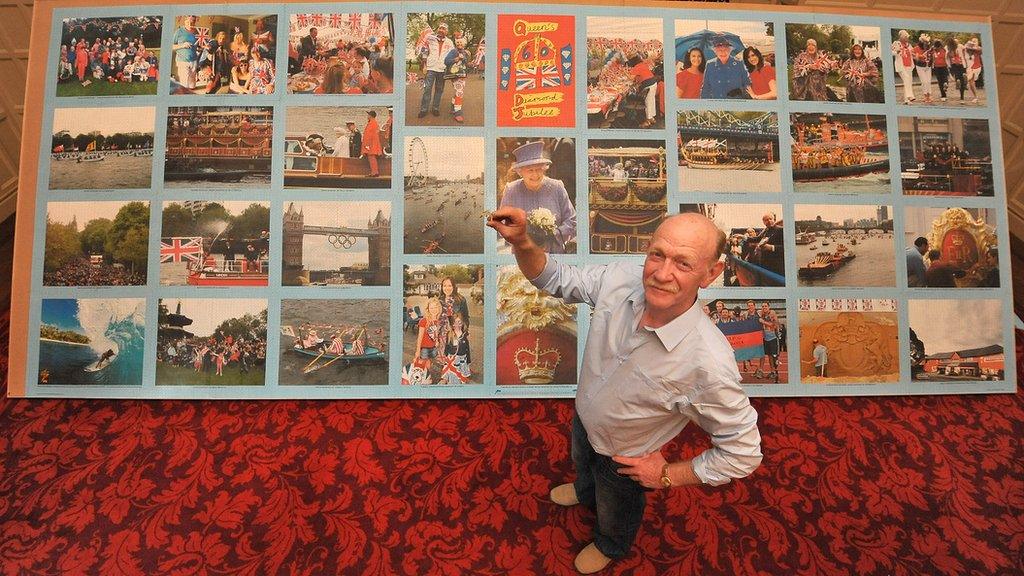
<point>851,486</point>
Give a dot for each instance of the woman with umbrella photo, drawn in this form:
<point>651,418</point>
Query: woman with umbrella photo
<point>724,47</point>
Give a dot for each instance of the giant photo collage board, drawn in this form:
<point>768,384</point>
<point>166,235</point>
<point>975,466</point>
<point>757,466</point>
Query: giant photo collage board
<point>289,200</point>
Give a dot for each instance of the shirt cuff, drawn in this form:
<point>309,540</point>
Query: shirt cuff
<point>550,268</point>
<point>700,470</point>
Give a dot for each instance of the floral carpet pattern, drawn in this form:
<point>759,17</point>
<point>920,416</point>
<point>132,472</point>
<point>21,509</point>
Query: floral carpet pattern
<point>901,486</point>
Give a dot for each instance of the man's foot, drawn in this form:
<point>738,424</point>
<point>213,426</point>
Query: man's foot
<point>564,495</point>
<point>590,560</point>
<point>943,98</point>
<point>435,112</point>
<point>459,118</point>
<point>974,101</point>
<point>421,114</point>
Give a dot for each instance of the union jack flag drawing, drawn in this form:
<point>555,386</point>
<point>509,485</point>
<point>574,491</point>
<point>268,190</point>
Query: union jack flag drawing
<point>181,249</point>
<point>302,20</point>
<point>202,37</point>
<point>334,20</point>
<point>535,77</point>
<point>318,20</point>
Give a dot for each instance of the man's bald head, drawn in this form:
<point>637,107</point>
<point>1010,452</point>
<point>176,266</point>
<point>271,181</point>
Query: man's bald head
<point>717,241</point>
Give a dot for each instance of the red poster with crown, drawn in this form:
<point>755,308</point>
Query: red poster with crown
<point>536,71</point>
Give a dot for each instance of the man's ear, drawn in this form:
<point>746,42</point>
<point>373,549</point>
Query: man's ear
<point>713,273</point>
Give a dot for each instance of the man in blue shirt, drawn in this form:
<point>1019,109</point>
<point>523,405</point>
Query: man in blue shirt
<point>653,362</point>
<point>915,263</point>
<point>724,77</point>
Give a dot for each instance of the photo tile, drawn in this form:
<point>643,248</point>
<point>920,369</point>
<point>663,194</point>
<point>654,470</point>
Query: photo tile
<point>215,243</point>
<point>938,68</point>
<point>444,195</point>
<point>341,53</point>
<point>849,341</point>
<point>211,342</point>
<point>537,334</point>
<point>117,56</point>
<point>443,325</point>
<point>96,243</point>
<point>755,242</point>
<point>627,194</point>
<point>333,147</point>
<point>951,247</point>
<point>334,342</point>
<point>944,348</point>
<point>834,63</point>
<point>536,73</point>
<point>445,46</point>
<point>725,60</point>
<point>336,244</point>
<point>845,245</point>
<point>91,341</point>
<point>723,151</point>
<point>538,175</point>
<point>625,64</point>
<point>224,54</point>
<point>756,330</point>
<point>102,148</point>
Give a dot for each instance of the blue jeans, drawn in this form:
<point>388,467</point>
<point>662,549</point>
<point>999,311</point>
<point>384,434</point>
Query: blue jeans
<point>617,500</point>
<point>433,82</point>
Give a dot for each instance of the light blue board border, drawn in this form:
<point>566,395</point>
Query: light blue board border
<point>276,195</point>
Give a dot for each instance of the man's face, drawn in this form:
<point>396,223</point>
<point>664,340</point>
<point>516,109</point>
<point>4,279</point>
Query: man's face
<point>764,308</point>
<point>191,20</point>
<point>679,261</point>
<point>442,31</point>
<point>750,307</point>
<point>533,175</point>
<point>312,33</point>
<point>923,248</point>
<point>812,47</point>
<point>769,220</point>
<point>722,52</point>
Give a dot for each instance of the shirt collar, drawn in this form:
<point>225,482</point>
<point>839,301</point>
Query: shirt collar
<point>670,334</point>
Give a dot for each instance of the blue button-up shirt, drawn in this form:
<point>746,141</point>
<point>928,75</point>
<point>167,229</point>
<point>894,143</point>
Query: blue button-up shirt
<point>720,79</point>
<point>639,387</point>
<point>915,268</point>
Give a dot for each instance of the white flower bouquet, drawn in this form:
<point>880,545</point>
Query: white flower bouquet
<point>540,225</point>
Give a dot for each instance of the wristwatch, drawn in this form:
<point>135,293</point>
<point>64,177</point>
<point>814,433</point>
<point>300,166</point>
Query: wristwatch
<point>666,482</point>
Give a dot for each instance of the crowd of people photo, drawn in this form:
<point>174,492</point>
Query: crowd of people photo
<point>340,54</point>
<point>110,59</point>
<point>212,354</point>
<point>625,84</point>
<point>222,59</point>
<point>83,272</point>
